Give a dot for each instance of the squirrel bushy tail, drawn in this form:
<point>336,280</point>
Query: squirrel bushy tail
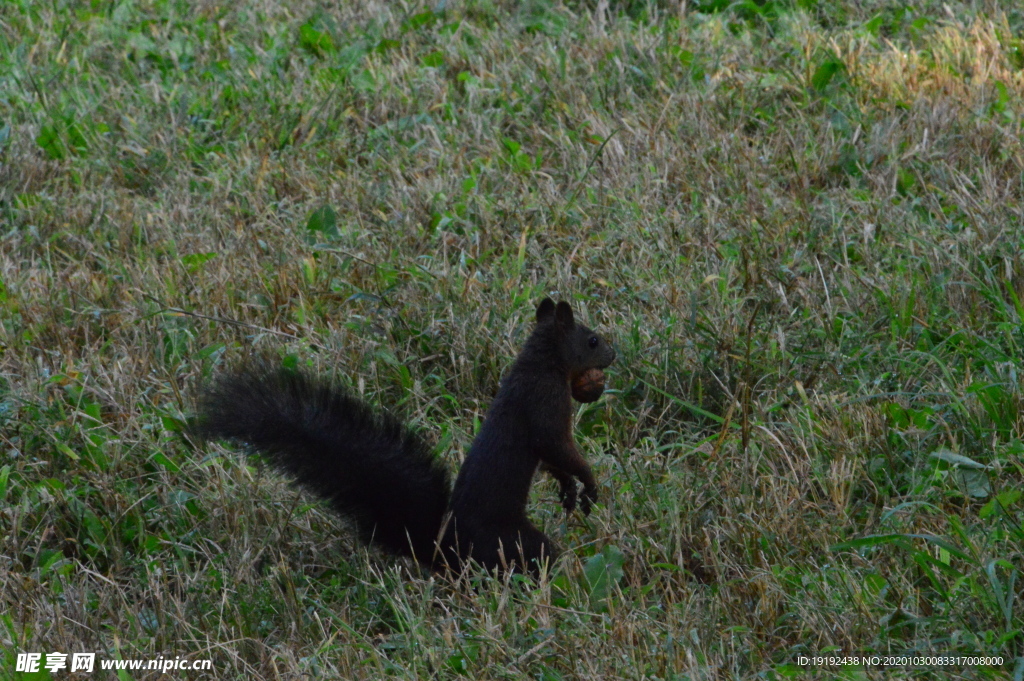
<point>371,468</point>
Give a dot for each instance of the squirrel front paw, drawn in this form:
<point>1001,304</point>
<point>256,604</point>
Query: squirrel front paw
<point>567,495</point>
<point>589,498</point>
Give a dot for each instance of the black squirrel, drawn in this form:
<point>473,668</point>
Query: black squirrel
<point>384,477</point>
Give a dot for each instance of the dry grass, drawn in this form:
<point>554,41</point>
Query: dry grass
<point>802,226</point>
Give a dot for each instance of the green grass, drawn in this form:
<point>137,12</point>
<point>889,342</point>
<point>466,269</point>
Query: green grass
<point>800,222</point>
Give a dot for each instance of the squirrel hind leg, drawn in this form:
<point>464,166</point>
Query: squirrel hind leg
<point>525,549</point>
<point>520,548</point>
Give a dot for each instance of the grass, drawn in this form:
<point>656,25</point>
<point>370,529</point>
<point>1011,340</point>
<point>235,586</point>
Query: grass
<point>800,221</point>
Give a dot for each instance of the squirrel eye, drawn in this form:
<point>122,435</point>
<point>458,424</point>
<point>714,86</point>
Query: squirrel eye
<point>593,341</point>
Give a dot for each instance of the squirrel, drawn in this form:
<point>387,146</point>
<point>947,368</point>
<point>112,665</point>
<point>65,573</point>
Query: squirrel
<point>384,477</point>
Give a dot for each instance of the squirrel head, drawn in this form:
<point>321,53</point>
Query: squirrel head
<point>579,347</point>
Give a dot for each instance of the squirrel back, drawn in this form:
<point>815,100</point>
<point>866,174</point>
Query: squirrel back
<point>385,478</point>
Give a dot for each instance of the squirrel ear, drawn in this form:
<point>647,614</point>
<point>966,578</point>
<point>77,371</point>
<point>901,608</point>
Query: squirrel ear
<point>546,310</point>
<point>563,313</point>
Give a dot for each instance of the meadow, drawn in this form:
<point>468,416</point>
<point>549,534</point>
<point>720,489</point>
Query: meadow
<point>801,222</point>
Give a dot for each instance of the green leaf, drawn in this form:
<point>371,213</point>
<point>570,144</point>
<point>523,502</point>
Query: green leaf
<point>419,20</point>
<point>826,72</point>
<point>560,587</point>
<point>685,57</point>
<point>1003,499</point>
<point>1002,98</point>
<point>870,540</point>
<point>314,41</point>
<point>976,482</point>
<point>897,414</point>
<point>46,558</point>
<point>151,543</point>
<point>920,24</point>
<point>194,261</point>
<point>957,459</point>
<point>173,425</point>
<point>603,572</point>
<point>364,81</point>
<point>874,584</point>
<point>873,24</point>
<point>325,221</point>
<point>66,451</point>
<point>210,350</point>
<point>179,497</point>
<point>899,540</point>
<point>905,181</point>
<point>165,463</point>
<point>49,141</point>
<point>76,138</point>
<point>433,59</point>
